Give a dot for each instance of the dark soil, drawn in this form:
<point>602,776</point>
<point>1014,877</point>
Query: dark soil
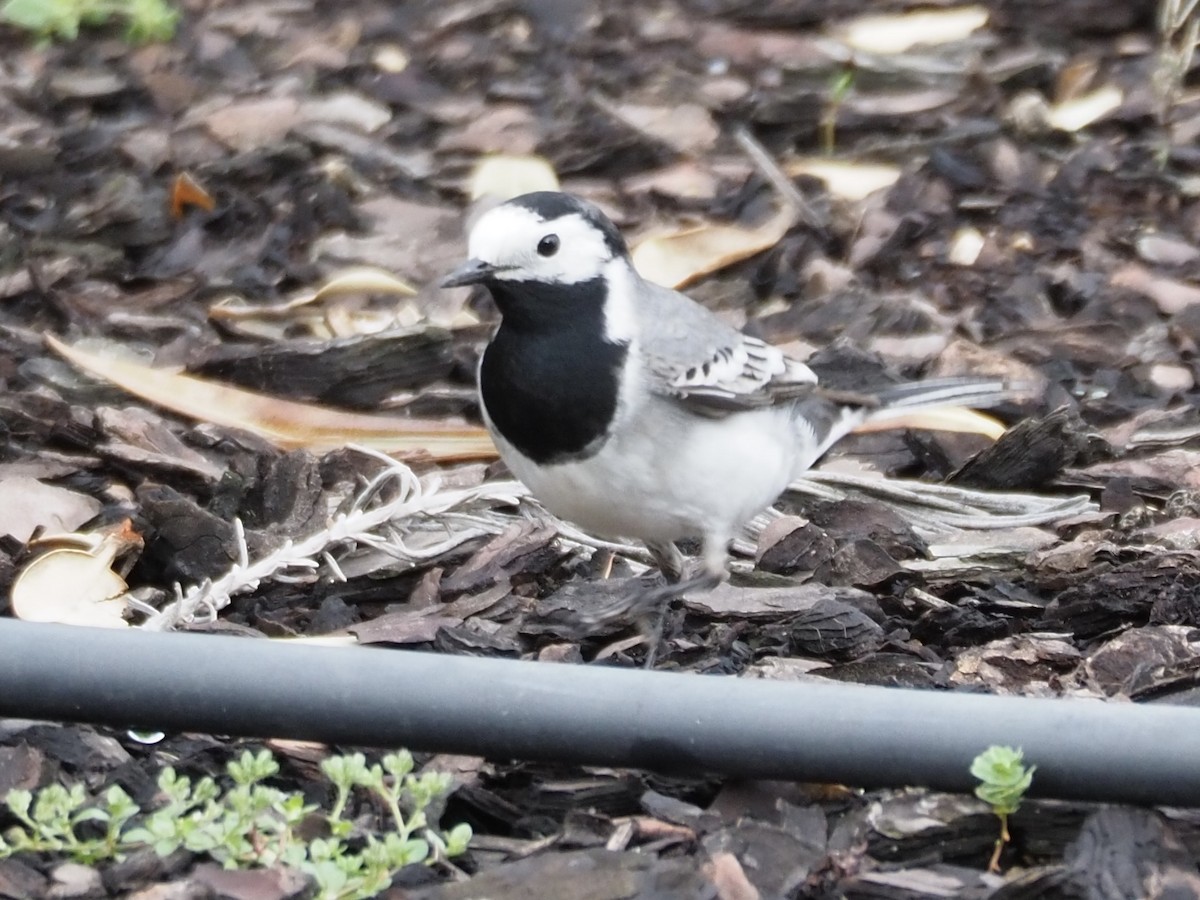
<point>336,135</point>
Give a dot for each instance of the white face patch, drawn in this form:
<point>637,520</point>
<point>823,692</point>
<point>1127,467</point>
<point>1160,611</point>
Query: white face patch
<point>620,308</point>
<point>508,237</point>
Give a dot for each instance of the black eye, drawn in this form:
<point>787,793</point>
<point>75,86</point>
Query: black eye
<point>548,245</point>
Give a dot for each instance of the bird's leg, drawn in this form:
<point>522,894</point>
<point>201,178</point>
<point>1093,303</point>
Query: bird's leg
<point>653,604</point>
<point>668,559</point>
<point>649,607</point>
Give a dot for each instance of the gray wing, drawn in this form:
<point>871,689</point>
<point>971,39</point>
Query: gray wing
<point>708,365</point>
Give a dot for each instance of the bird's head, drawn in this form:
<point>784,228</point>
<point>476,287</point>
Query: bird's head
<point>544,238</point>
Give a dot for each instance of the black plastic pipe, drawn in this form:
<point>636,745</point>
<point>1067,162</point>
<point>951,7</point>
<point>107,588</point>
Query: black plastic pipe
<point>595,715</point>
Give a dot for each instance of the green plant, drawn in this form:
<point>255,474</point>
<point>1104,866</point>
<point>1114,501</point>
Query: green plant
<point>251,824</point>
<point>1004,779</point>
<point>145,20</point>
<point>839,88</point>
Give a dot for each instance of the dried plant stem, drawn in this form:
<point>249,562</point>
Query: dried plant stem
<point>358,526</point>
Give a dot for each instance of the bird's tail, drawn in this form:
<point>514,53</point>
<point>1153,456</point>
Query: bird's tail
<point>939,403</point>
<point>955,391</point>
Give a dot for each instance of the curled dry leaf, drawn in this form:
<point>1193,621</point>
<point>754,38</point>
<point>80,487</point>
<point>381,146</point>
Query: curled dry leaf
<point>845,178</point>
<point>73,583</point>
<point>677,258</point>
<point>889,34</point>
<point>285,423</point>
<point>259,321</point>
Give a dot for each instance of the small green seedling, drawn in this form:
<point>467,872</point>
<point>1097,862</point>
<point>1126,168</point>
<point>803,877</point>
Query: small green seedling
<point>251,824</point>
<point>1004,779</point>
<point>839,88</point>
<point>145,20</point>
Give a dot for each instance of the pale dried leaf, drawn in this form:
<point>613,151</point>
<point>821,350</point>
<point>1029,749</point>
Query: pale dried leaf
<point>844,178</point>
<point>390,58</point>
<point>347,108</point>
<point>1080,112</point>
<point>274,321</point>
<point>678,258</point>
<point>1171,295</point>
<point>1165,249</point>
<point>73,587</point>
<point>363,280</point>
<point>285,423</point>
<point>504,177</point>
<point>965,246</point>
<point>953,418</point>
<point>887,34</point>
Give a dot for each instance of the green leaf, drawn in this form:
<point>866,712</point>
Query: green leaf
<point>1004,777</point>
<point>146,20</point>
<point>18,803</point>
<point>45,18</point>
<point>457,839</point>
<point>398,764</point>
<point>251,768</point>
<point>151,20</point>
<point>329,877</point>
<point>346,771</point>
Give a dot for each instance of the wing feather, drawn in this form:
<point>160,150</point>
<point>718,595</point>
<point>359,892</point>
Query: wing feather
<point>709,365</point>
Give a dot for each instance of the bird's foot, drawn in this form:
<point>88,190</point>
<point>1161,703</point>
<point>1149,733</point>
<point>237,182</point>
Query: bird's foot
<point>646,606</point>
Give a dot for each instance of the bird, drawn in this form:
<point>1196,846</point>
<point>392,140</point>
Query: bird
<point>632,411</point>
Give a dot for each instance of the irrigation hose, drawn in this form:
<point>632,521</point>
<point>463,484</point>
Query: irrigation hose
<point>592,714</point>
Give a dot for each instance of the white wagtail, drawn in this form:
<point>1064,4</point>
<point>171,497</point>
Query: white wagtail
<point>632,411</point>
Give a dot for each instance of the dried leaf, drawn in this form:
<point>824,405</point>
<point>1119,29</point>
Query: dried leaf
<point>889,34</point>
<point>185,192</point>
<point>680,257</point>
<point>1171,295</point>
<point>347,108</point>
<point>952,418</point>
<point>845,178</point>
<point>504,177</point>
<point>73,585</point>
<point>1080,112</point>
<point>283,422</point>
<point>965,246</point>
<point>272,321</point>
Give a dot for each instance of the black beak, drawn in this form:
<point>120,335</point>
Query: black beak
<point>473,271</point>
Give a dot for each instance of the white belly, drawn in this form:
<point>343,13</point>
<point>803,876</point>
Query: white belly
<point>669,474</point>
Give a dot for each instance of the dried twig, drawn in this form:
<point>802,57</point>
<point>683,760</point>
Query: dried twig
<point>770,170</point>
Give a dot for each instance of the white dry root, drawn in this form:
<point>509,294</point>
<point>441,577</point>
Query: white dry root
<point>400,528</point>
<point>423,522</point>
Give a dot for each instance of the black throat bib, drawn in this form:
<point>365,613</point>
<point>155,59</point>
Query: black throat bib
<point>549,379</point>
